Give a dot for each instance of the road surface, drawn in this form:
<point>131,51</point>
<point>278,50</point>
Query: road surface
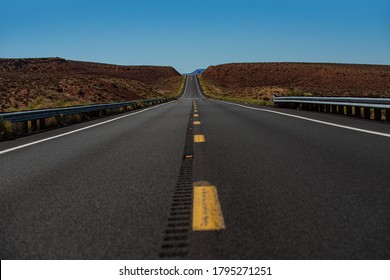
<point>271,184</point>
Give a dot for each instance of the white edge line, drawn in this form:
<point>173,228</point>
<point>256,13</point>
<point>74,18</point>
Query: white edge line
<point>200,92</point>
<point>78,130</point>
<point>312,120</point>
<point>303,118</point>
<point>185,88</point>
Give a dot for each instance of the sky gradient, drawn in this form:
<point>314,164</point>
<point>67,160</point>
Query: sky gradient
<point>195,34</point>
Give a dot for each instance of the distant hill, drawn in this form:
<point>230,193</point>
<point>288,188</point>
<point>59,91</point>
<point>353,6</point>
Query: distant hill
<point>56,82</point>
<point>262,80</point>
<point>197,72</point>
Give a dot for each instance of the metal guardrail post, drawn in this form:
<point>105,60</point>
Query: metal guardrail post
<point>349,110</point>
<point>378,114</point>
<point>42,123</point>
<point>30,121</point>
<point>367,113</point>
<point>358,111</point>
<point>359,107</point>
<point>34,125</point>
<point>25,127</point>
<point>339,110</point>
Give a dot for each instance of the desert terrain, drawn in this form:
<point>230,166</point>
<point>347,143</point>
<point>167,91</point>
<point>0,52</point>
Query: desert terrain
<point>56,82</point>
<point>259,81</point>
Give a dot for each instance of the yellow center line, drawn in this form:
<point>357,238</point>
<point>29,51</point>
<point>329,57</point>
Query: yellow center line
<point>207,213</point>
<point>196,122</point>
<point>196,115</point>
<point>199,138</point>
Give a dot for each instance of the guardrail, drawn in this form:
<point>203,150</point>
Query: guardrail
<point>37,119</point>
<point>368,108</point>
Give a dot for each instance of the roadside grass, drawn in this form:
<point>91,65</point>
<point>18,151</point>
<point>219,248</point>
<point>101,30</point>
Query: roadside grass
<point>297,92</point>
<point>41,103</point>
<point>37,103</point>
<point>177,91</point>
<point>11,109</point>
<point>65,103</point>
<point>216,93</point>
<point>6,129</point>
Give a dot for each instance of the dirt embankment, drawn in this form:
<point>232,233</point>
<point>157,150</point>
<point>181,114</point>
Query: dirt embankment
<point>55,82</point>
<point>262,80</point>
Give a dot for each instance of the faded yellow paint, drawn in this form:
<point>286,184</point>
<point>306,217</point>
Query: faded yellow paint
<point>196,122</point>
<point>199,138</point>
<point>196,115</point>
<point>207,213</point>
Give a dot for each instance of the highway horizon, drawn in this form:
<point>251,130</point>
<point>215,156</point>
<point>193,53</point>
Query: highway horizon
<point>199,179</point>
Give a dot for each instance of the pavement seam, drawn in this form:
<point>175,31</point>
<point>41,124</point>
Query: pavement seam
<point>175,244</point>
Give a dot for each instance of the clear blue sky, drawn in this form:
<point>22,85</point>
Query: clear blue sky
<point>196,34</point>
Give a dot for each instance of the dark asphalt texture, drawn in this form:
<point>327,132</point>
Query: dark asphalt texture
<point>102,193</point>
<point>288,188</point>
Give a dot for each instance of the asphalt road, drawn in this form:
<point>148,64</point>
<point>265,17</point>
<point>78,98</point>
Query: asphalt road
<point>288,187</point>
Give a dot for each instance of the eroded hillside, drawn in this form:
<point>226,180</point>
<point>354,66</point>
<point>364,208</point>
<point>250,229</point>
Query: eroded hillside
<point>56,82</point>
<point>262,80</point>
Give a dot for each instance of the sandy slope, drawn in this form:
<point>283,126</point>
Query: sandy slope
<point>262,80</point>
<point>53,82</point>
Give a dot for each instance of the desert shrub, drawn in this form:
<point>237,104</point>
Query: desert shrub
<point>5,128</point>
<point>81,92</point>
<point>297,92</point>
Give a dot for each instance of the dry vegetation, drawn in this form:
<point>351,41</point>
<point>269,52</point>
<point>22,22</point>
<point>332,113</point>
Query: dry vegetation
<point>257,82</point>
<point>56,82</point>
